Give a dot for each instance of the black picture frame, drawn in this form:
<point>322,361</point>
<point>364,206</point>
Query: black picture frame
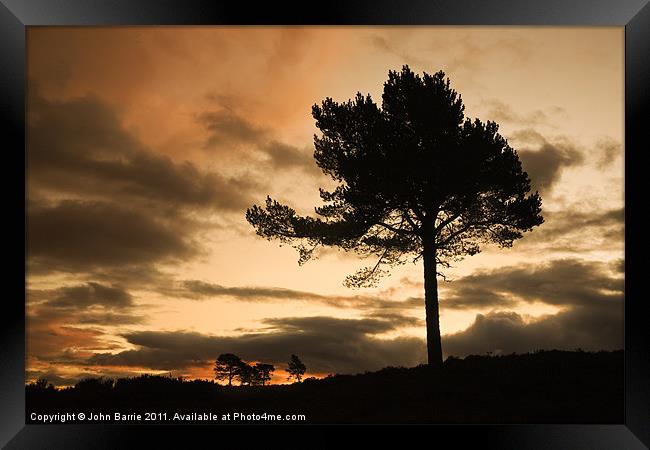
<point>634,15</point>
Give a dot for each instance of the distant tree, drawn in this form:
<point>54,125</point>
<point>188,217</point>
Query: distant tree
<point>296,368</point>
<point>228,367</point>
<point>40,385</point>
<point>248,375</point>
<point>264,372</point>
<point>94,385</point>
<point>416,180</point>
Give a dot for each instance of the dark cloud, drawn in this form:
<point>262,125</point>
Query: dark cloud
<point>80,147</point>
<point>91,294</point>
<point>65,326</point>
<point>90,303</point>
<point>200,290</point>
<point>226,130</point>
<point>51,339</point>
<point>593,328</point>
<point>284,156</point>
<point>545,159</point>
<point>325,344</point>
<point>618,266</point>
<point>567,222</point>
<point>527,136</point>
<point>225,127</point>
<point>576,231</point>
<point>562,282</point>
<point>109,319</point>
<point>103,205</point>
<point>546,163</point>
<point>498,111</point>
<point>609,150</point>
<point>329,325</point>
<point>82,236</point>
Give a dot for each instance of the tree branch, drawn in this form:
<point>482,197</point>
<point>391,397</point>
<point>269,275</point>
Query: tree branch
<point>399,230</point>
<point>410,221</point>
<point>445,222</point>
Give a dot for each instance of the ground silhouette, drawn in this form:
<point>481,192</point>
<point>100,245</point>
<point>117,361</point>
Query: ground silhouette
<point>541,387</point>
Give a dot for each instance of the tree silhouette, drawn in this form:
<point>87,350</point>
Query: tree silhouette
<point>249,375</point>
<point>416,179</point>
<point>40,385</point>
<point>296,368</point>
<point>228,367</point>
<point>264,372</point>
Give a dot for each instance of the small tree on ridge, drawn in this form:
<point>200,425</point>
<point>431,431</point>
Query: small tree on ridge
<point>296,368</point>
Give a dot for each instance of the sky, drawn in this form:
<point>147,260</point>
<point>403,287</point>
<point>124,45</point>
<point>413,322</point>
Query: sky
<point>146,145</point>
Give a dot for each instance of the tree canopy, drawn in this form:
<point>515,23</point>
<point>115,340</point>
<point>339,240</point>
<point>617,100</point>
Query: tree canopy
<point>414,169</point>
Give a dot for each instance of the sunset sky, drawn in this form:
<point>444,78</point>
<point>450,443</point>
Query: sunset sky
<point>146,145</point>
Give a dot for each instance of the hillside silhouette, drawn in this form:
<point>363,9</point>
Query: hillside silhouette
<point>540,387</point>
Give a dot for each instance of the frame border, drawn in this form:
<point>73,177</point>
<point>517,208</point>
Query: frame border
<point>634,15</point>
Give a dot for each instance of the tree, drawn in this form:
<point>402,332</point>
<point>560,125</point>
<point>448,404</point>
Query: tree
<point>264,372</point>
<point>228,367</point>
<point>416,179</point>
<point>296,368</point>
<point>249,375</point>
<point>40,385</point>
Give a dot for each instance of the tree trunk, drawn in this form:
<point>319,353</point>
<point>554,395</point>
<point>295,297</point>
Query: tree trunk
<point>434,345</point>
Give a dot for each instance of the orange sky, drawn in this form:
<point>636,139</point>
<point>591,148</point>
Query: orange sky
<point>146,145</point>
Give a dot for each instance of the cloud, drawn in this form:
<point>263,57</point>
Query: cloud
<point>561,282</point>
<point>227,130</point>
<point>567,222</point>
<point>462,54</point>
<point>576,231</point>
<point>82,236</point>
<point>610,150</point>
<point>381,43</point>
<point>88,303</point>
<point>201,290</point>
<point>225,127</point>
<point>110,319</point>
<point>90,294</point>
<point>325,344</point>
<point>544,159</point>
<point>284,156</point>
<point>66,325</point>
<point>51,338</point>
<point>588,327</point>
<point>499,112</point>
<point>80,147</point>
<point>546,163</point>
